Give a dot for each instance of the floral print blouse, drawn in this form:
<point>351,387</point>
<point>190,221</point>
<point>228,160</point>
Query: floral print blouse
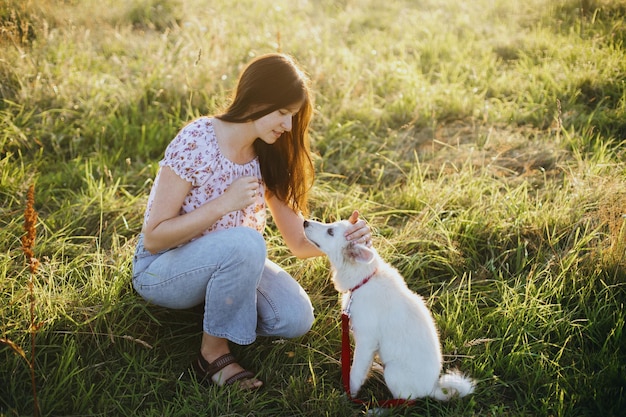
<point>195,156</point>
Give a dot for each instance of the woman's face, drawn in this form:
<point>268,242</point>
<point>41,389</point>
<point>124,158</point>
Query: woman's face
<point>271,126</point>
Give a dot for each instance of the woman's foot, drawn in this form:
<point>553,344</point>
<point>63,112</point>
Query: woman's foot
<point>216,364</point>
<point>225,371</point>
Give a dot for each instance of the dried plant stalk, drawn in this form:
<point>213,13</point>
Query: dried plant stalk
<point>28,244</point>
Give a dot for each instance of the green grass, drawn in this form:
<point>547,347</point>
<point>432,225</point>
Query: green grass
<point>483,141</point>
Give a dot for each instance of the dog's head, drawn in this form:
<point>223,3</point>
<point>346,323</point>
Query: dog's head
<point>330,238</point>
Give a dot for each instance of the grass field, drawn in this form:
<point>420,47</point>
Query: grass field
<point>483,142</point>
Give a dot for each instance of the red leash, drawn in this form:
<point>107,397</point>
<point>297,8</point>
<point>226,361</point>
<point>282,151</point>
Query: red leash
<point>346,359</point>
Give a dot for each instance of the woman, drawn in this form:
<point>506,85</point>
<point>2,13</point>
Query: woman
<point>202,241</point>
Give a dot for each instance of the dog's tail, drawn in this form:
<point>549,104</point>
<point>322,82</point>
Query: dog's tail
<point>451,384</point>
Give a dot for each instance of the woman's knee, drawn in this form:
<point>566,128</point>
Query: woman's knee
<point>248,243</point>
<point>300,322</point>
<point>292,320</point>
<point>231,248</point>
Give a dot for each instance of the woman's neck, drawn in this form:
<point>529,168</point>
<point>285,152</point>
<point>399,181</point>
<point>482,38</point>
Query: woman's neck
<point>235,140</point>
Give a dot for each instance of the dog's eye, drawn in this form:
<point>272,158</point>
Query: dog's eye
<point>331,232</point>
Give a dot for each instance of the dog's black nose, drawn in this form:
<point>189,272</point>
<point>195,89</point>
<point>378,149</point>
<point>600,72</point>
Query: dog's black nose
<point>306,223</point>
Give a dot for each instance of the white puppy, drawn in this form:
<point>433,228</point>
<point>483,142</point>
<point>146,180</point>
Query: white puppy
<point>387,318</point>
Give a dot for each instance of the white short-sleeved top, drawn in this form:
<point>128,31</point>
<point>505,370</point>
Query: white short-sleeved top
<point>195,156</point>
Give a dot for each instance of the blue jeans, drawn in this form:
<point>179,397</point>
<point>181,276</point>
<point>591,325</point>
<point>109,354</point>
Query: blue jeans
<point>245,295</point>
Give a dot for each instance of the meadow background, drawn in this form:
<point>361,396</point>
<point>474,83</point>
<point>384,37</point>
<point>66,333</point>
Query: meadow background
<point>482,140</point>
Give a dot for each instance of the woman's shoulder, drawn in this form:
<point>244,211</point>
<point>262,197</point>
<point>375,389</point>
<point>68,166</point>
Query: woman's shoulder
<point>198,128</point>
<point>193,147</point>
<point>197,134</point>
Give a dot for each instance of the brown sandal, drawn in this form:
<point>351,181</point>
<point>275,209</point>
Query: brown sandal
<point>205,370</point>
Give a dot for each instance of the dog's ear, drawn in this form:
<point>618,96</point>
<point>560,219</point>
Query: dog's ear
<point>359,253</point>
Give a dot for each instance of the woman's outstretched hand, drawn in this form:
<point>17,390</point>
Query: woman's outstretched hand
<point>359,231</point>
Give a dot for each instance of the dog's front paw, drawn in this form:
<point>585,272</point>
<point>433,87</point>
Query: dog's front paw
<point>354,389</point>
<point>357,377</point>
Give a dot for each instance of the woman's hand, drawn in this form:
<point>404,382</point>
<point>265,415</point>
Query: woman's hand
<point>241,193</point>
<point>359,231</point>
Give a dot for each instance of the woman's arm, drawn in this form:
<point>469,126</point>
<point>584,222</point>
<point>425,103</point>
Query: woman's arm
<point>166,228</point>
<point>290,225</point>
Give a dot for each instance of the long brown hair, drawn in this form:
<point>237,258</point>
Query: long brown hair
<point>269,83</point>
